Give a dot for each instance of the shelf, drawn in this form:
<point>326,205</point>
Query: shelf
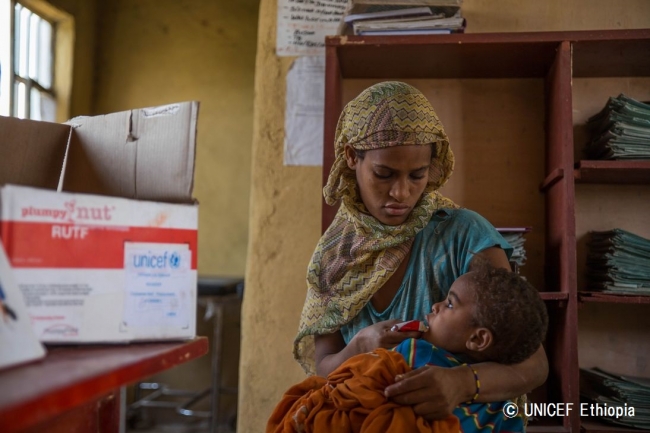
<point>70,376</point>
<point>554,296</point>
<point>585,296</point>
<point>615,172</point>
<point>590,425</point>
<point>553,60</point>
<point>546,429</point>
<point>490,55</point>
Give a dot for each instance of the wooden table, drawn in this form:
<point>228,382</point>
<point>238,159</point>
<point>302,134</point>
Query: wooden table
<point>76,388</point>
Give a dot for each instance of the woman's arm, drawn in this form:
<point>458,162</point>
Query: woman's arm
<point>435,391</point>
<point>331,350</point>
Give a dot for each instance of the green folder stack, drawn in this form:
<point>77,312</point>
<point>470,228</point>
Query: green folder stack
<point>618,262</point>
<point>601,392</point>
<point>621,130</point>
<point>516,241</point>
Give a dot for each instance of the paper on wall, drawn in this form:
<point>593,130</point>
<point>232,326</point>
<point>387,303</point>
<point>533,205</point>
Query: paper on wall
<point>303,25</point>
<point>304,114</point>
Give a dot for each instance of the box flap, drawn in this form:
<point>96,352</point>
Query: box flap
<point>145,154</point>
<point>31,152</point>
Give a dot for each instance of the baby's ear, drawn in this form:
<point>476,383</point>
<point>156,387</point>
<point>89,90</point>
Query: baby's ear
<point>480,340</point>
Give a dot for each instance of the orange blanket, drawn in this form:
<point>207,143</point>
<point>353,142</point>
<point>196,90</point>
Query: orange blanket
<point>352,399</point>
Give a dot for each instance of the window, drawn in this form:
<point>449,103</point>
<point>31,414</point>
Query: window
<point>29,87</point>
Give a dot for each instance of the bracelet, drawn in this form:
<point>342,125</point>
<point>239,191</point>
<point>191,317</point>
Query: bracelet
<point>478,385</point>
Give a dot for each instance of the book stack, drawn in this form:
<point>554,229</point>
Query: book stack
<point>616,399</point>
<point>618,262</point>
<point>621,130</point>
<point>515,237</point>
<point>403,17</point>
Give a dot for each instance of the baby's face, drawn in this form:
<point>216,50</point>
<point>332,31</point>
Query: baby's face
<point>451,321</point>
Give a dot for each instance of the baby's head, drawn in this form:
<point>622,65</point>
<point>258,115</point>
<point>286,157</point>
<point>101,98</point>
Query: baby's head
<point>489,314</point>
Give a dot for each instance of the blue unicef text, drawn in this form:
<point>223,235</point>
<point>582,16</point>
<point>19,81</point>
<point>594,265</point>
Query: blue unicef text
<point>157,261</point>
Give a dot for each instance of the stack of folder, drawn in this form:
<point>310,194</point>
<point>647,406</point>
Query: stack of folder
<point>618,262</point>
<point>601,391</point>
<point>402,17</point>
<point>620,131</point>
<point>515,237</point>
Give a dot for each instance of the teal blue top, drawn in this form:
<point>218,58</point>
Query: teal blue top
<point>441,252</point>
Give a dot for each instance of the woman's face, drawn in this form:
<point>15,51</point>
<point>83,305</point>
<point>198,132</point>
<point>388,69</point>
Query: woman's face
<point>391,180</point>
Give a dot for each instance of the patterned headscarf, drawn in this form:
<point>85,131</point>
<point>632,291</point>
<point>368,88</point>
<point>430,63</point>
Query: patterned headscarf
<point>358,254</point>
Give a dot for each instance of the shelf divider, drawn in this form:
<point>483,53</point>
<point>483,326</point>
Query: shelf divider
<point>586,296</point>
<point>614,172</point>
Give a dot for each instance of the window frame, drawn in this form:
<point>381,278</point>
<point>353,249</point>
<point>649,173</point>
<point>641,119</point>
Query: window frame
<point>28,81</point>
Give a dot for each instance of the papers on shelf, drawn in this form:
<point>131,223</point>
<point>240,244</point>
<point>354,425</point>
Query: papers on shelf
<point>515,237</point>
<point>621,130</point>
<point>402,17</point>
<point>410,24</point>
<point>599,387</point>
<point>388,14</point>
<point>618,262</point>
<point>404,32</point>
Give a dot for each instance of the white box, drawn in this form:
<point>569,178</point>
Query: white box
<point>17,340</point>
<point>109,266</point>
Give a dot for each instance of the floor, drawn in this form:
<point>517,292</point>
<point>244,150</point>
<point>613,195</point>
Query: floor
<point>163,421</point>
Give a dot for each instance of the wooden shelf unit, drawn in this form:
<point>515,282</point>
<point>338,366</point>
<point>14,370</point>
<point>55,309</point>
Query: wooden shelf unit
<point>554,58</point>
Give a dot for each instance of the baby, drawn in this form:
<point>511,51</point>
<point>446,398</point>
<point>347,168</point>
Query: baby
<point>489,314</point>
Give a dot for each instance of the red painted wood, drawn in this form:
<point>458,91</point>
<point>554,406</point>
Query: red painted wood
<point>554,296</point>
<point>560,231</point>
<point>73,376</point>
<point>491,55</point>
<point>100,416</point>
<point>553,177</point>
<point>590,425</point>
<point>612,298</point>
<point>617,172</point>
<point>333,108</point>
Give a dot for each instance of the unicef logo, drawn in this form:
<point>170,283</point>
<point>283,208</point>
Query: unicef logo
<point>510,410</point>
<point>175,260</point>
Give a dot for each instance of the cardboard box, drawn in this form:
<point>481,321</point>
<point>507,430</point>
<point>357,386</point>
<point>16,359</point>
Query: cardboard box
<point>100,225</point>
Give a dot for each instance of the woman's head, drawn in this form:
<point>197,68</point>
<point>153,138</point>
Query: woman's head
<point>390,180</point>
<point>390,124</point>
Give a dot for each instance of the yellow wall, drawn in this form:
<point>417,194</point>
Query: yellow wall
<point>285,201</point>
<point>85,16</point>
<point>152,52</point>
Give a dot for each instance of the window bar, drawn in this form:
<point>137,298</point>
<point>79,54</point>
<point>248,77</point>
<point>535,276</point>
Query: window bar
<point>24,70</point>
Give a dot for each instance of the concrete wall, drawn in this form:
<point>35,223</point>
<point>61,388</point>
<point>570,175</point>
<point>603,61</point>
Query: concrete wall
<point>285,201</point>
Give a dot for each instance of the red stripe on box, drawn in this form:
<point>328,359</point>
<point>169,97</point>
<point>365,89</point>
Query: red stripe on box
<point>47,245</point>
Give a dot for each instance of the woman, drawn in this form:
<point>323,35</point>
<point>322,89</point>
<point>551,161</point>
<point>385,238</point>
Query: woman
<point>393,250</point>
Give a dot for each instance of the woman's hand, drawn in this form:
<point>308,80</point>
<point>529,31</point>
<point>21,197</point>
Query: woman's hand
<point>380,335</point>
<point>433,392</point>
<point>331,350</point>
